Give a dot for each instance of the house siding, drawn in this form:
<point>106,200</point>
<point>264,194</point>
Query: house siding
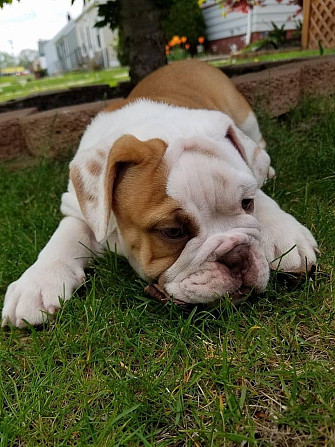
<point>223,32</point>
<point>79,45</point>
<point>96,44</point>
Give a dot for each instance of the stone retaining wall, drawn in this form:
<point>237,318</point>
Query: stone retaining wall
<point>274,91</point>
<point>278,90</point>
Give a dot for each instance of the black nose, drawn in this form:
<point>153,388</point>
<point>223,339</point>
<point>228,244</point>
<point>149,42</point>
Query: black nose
<point>237,259</point>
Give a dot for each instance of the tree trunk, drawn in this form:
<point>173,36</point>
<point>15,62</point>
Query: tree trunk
<point>144,37</point>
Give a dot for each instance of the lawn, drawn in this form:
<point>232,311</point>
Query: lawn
<point>19,86</point>
<point>275,56</point>
<point>120,369</point>
<point>14,87</point>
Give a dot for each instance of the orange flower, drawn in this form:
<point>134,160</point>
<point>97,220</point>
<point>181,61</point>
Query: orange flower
<point>187,46</point>
<point>201,39</point>
<point>183,39</point>
<point>167,47</point>
<point>174,41</point>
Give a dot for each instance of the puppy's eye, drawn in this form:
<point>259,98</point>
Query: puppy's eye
<point>248,205</point>
<point>174,233</point>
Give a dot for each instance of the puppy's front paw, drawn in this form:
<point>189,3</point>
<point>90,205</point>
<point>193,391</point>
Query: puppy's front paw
<point>289,246</point>
<point>36,293</point>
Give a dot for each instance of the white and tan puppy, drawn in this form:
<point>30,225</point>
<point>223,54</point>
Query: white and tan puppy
<point>171,177</point>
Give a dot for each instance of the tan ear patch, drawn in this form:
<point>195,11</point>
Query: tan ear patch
<point>142,207</point>
<point>129,192</point>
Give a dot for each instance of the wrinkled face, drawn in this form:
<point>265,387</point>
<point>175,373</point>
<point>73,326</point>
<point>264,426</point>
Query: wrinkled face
<point>185,218</point>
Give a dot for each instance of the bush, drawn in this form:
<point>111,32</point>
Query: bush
<point>185,19</point>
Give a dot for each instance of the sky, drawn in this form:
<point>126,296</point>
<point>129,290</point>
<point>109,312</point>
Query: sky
<point>27,21</point>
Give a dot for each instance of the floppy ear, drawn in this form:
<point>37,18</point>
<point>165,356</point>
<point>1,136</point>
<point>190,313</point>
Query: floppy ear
<point>254,155</point>
<point>93,176</point>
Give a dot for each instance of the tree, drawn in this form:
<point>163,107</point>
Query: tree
<point>141,25</point>
<point>239,5</point>
<point>146,25</point>
<point>179,17</point>
<point>27,57</point>
<point>7,60</point>
<point>141,32</point>
<point>4,2</point>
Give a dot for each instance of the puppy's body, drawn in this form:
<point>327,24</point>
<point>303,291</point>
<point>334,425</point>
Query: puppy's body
<point>195,85</point>
<point>171,177</point>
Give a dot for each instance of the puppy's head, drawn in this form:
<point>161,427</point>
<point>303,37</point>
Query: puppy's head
<point>183,212</point>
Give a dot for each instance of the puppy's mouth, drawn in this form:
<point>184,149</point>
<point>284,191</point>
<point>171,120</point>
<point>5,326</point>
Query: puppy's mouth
<point>241,294</point>
<point>156,291</point>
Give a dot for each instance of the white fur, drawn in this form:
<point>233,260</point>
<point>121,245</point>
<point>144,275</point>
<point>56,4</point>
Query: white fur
<point>211,191</point>
<point>251,129</point>
<point>282,233</point>
<point>210,181</point>
<point>58,270</point>
<point>146,119</point>
<point>207,176</point>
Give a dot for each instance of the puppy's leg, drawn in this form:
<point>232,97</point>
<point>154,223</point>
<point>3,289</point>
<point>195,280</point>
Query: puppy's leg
<point>281,233</point>
<point>59,269</point>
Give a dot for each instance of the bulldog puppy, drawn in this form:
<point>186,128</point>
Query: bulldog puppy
<point>171,178</point>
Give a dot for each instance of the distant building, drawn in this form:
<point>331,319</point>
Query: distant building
<point>96,44</point>
<point>48,56</point>
<point>231,33</point>
<point>79,45</point>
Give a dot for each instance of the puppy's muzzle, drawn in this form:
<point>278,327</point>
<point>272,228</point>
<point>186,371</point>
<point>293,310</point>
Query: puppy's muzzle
<point>235,259</point>
<point>231,262</point>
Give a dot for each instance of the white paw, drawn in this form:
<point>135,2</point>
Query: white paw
<point>288,245</point>
<point>36,293</point>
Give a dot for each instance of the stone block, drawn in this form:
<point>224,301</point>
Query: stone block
<point>57,132</point>
<point>274,91</point>
<point>318,77</point>
<point>12,142</point>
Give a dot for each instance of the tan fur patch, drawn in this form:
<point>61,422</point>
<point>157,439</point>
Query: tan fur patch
<point>256,153</point>
<point>196,85</point>
<point>94,167</point>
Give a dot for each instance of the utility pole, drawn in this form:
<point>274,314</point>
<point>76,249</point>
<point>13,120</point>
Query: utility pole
<point>11,43</point>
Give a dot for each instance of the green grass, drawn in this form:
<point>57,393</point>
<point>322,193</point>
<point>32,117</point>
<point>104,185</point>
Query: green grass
<point>19,86</point>
<point>120,369</point>
<point>275,56</point>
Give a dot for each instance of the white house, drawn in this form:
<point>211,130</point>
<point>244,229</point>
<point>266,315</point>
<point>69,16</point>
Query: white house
<point>237,29</point>
<point>98,45</point>
<point>79,45</point>
<point>48,56</point>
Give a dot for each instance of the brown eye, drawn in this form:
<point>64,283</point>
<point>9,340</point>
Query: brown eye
<point>248,205</point>
<point>174,233</point>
